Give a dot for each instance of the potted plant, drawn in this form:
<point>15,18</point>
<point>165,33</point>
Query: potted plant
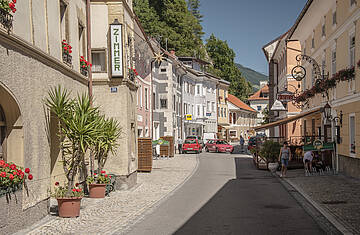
<point>77,129</point>
<point>97,184</point>
<point>270,152</point>
<point>68,203</point>
<point>104,143</point>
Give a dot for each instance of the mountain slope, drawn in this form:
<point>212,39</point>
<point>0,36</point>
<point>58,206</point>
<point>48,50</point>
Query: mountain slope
<point>252,76</point>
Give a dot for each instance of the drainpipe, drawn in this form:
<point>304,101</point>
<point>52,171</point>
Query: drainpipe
<point>88,33</point>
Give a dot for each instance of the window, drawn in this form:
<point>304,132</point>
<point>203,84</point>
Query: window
<point>222,112</point>
<point>64,24</point>
<point>141,96</point>
<point>333,62</point>
<point>313,76</point>
<point>234,118</point>
<point>174,103</point>
<point>198,110</point>
<point>334,18</point>
<point>352,3</point>
<point>225,112</point>
<point>198,90</point>
<point>259,108</point>
<point>153,100</point>
<point>313,42</point>
<point>82,40</point>
<point>232,133</point>
<point>208,106</point>
<point>352,134</point>
<point>163,70</point>
<point>352,51</point>
<point>163,103</point>
<point>323,34</point>
<point>98,58</point>
<point>204,111</point>
<point>213,106</point>
<point>139,132</point>
<point>146,99</point>
<point>2,133</point>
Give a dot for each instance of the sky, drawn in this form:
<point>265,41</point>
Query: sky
<point>248,25</point>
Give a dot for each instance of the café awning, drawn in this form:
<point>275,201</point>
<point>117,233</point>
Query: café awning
<point>286,120</point>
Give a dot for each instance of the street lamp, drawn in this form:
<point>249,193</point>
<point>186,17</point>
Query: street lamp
<point>326,110</point>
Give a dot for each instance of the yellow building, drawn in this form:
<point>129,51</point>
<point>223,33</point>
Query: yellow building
<point>329,32</point>
<point>223,112</point>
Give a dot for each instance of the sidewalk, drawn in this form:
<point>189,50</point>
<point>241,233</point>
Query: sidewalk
<point>122,208</point>
<point>335,196</point>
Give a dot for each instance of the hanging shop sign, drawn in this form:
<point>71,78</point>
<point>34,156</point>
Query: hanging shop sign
<point>278,106</point>
<point>116,43</point>
<point>188,117</point>
<point>285,96</point>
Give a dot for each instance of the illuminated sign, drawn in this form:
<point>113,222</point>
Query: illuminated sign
<point>117,69</point>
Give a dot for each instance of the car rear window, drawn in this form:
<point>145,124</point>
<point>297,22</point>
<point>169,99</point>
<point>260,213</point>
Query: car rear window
<point>190,141</point>
<point>221,142</point>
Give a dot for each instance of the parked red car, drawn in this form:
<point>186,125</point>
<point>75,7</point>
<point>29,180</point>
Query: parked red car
<point>219,146</point>
<point>191,145</point>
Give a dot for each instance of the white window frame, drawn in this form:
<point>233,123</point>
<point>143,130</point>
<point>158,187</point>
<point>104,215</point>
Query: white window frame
<point>146,91</point>
<point>235,133</point>
<point>352,63</point>
<point>198,110</point>
<point>352,115</point>
<point>141,96</point>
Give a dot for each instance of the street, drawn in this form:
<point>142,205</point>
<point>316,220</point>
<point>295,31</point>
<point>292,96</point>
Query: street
<point>227,195</point>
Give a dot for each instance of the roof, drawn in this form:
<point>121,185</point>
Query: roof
<point>238,103</point>
<point>257,95</point>
<point>302,13</point>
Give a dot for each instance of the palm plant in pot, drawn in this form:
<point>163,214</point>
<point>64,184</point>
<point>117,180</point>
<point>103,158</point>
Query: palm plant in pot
<point>77,125</point>
<point>104,144</point>
<point>269,152</point>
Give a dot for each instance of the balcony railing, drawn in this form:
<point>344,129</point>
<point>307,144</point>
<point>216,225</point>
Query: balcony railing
<point>67,58</point>
<point>6,19</point>
<point>84,71</point>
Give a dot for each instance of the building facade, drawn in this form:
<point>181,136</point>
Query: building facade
<point>328,32</point>
<point>259,101</point>
<point>32,62</point>
<point>242,119</point>
<point>222,109</point>
<point>115,91</point>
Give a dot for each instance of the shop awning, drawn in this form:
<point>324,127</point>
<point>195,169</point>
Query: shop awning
<point>286,120</point>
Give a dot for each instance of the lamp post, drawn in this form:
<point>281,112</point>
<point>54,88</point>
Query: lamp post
<point>326,110</point>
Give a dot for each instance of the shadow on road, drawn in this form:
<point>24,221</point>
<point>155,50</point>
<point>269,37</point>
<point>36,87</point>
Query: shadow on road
<point>253,203</point>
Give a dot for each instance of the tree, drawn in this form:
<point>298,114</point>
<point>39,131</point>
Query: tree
<point>194,6</point>
<point>172,20</point>
<point>224,66</point>
<point>265,114</point>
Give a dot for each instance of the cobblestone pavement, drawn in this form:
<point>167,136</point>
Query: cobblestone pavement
<point>122,208</point>
<point>337,194</point>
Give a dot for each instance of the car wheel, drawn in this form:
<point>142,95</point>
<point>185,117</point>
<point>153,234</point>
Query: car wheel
<point>206,149</point>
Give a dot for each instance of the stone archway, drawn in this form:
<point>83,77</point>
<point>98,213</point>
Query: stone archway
<point>11,128</point>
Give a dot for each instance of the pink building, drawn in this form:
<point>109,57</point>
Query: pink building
<point>143,56</point>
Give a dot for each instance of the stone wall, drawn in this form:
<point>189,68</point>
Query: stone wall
<point>349,166</point>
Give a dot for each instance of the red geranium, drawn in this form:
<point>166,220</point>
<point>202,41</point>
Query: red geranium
<point>74,189</point>
<point>27,170</point>
<point>103,172</point>
<point>56,183</point>
<point>30,177</point>
<point>11,176</point>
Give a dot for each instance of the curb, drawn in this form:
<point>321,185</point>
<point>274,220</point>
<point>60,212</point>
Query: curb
<point>150,209</point>
<point>291,187</point>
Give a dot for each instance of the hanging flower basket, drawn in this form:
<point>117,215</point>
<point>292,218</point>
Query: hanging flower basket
<point>12,177</point>
<point>132,74</point>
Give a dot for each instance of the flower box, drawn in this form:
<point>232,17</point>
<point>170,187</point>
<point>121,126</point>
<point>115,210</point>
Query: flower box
<point>6,19</point>
<point>66,52</point>
<point>84,66</point>
<point>84,71</point>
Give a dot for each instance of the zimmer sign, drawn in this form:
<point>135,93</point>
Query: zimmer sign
<point>285,96</point>
<point>116,50</point>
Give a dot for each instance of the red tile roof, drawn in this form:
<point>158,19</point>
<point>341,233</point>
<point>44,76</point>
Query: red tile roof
<point>238,103</point>
<point>257,95</point>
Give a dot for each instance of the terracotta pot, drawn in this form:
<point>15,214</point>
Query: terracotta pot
<point>97,190</point>
<point>69,207</point>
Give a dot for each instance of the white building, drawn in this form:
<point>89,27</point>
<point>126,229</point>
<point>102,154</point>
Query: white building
<point>259,102</point>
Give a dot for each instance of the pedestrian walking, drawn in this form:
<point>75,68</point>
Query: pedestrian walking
<point>179,142</point>
<point>284,158</point>
<point>242,142</point>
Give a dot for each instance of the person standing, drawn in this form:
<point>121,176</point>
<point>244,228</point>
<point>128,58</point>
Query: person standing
<point>242,141</point>
<point>284,158</point>
<point>179,141</point>
<point>308,157</point>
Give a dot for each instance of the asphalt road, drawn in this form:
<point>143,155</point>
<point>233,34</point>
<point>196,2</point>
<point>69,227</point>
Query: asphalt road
<point>227,195</point>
